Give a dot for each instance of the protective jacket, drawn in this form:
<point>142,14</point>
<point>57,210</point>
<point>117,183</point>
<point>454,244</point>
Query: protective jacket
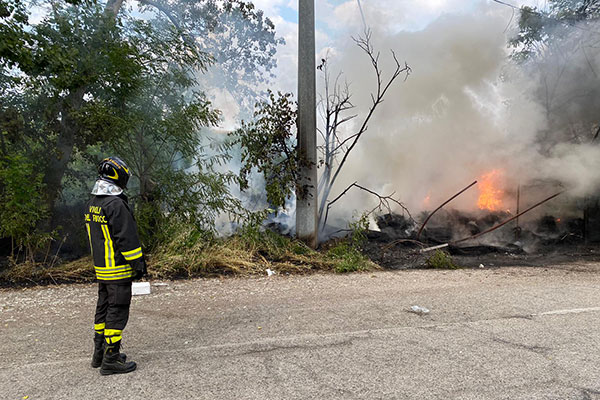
<point>114,241</point>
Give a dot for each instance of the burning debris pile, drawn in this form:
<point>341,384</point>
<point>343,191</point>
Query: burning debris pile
<point>488,226</point>
<point>452,226</point>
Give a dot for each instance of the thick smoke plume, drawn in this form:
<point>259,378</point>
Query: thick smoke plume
<point>467,109</point>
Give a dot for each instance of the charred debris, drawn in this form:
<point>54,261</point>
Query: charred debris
<point>531,235</point>
<point>395,244</point>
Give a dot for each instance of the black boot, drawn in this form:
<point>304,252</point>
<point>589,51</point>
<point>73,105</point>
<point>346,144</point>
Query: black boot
<point>98,350</point>
<point>99,343</point>
<point>113,363</point>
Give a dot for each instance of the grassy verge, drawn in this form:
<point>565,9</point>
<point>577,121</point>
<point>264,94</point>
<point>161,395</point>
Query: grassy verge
<point>190,255</point>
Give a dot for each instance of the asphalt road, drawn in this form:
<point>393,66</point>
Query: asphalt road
<point>509,333</point>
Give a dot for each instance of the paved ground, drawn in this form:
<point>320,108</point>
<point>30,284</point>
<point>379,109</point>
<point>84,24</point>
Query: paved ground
<point>510,333</point>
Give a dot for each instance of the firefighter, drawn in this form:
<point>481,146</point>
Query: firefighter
<point>118,260</point>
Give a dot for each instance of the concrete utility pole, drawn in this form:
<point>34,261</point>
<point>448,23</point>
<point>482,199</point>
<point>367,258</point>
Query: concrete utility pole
<point>306,197</point>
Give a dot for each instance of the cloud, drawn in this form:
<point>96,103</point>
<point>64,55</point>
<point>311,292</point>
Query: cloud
<point>270,7</point>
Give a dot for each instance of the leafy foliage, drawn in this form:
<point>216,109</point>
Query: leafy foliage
<point>14,39</point>
<point>540,27</point>
<point>22,205</point>
<point>268,144</point>
<point>176,181</point>
<point>239,37</point>
<point>70,92</point>
<point>441,260</point>
<point>84,82</point>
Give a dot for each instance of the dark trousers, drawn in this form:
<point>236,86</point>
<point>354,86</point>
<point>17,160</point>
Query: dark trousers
<point>112,309</point>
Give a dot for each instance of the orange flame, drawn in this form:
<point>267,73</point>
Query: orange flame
<point>490,195</point>
<point>427,200</point>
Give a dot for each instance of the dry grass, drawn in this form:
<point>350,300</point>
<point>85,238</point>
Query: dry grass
<point>250,253</point>
<point>237,255</point>
<point>35,273</point>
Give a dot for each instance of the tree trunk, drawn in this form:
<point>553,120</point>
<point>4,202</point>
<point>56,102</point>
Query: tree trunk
<point>64,150</point>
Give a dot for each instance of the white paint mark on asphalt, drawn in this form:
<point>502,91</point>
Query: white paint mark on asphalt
<point>569,311</point>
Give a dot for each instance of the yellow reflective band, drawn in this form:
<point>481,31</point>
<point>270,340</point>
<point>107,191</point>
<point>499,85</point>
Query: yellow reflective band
<point>109,255</point>
<point>114,277</point>
<point>99,327</point>
<point>118,268</point>
<point>105,245</point>
<point>113,335</point>
<point>133,254</point>
<point>112,274</point>
<point>128,274</point>
<point>87,226</point>
<point>135,257</point>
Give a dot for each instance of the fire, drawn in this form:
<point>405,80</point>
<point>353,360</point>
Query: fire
<point>427,201</point>
<point>490,195</point>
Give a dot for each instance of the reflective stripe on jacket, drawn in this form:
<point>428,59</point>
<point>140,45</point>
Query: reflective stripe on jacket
<point>113,237</point>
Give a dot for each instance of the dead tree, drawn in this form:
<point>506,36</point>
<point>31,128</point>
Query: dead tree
<point>335,108</point>
<point>384,202</point>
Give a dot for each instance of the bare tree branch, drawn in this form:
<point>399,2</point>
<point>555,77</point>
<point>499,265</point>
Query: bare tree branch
<point>384,202</point>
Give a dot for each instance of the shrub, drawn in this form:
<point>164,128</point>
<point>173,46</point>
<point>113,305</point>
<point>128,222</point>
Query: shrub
<point>347,253</point>
<point>347,258</point>
<point>441,260</point>
<point>23,206</point>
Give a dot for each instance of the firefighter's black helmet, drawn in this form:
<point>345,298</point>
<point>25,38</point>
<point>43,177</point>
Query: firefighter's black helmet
<point>114,170</point>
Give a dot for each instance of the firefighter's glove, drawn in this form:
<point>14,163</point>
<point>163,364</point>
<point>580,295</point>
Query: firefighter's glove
<point>139,267</point>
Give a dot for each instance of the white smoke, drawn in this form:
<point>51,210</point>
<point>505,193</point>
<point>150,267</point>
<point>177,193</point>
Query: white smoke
<point>467,109</point>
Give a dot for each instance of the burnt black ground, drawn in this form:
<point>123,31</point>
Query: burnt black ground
<point>405,254</point>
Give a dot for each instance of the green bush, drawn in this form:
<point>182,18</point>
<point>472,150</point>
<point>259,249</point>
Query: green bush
<point>23,206</point>
<point>347,253</point>
<point>441,260</point>
<point>348,258</point>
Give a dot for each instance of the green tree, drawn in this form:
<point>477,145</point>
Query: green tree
<point>241,39</point>
<point>70,91</point>
<point>556,46</point>
<point>177,183</point>
<point>23,206</point>
<point>87,60</point>
<point>540,28</point>
<point>268,147</point>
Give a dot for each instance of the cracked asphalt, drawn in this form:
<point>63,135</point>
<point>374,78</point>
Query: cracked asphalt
<point>507,333</point>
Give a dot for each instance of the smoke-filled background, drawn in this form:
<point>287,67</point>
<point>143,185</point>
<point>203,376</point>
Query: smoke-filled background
<point>466,110</point>
<point>499,92</point>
